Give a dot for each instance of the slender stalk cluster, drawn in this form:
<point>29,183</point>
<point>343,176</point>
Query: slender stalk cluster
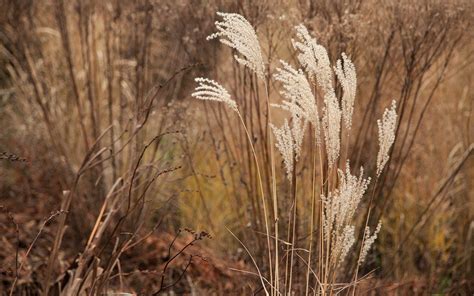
<point>237,33</point>
<point>387,126</point>
<point>210,90</point>
<point>341,193</point>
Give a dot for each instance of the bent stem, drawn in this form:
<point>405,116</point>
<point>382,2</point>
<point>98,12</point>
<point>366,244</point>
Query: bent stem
<point>363,236</point>
<point>313,199</point>
<point>294,226</point>
<point>262,193</point>
<point>274,191</point>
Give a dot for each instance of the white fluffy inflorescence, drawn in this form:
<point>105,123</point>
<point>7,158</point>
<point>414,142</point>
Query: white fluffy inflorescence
<point>346,74</point>
<point>339,210</point>
<point>368,242</point>
<point>299,99</point>
<point>387,126</point>
<point>332,127</point>
<point>210,90</point>
<point>315,60</point>
<point>344,243</point>
<point>289,140</point>
<point>236,32</point>
<point>298,128</point>
<point>285,144</point>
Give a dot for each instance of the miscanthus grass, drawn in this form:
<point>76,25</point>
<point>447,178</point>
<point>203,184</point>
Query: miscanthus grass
<point>237,33</point>
<point>306,93</point>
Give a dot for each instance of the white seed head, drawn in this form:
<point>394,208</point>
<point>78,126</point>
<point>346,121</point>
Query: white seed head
<point>386,126</point>
<point>289,141</point>
<point>346,74</point>
<point>236,32</point>
<point>298,128</point>
<point>313,57</point>
<point>315,60</point>
<point>351,190</point>
<point>285,144</point>
<point>347,241</point>
<point>368,242</point>
<point>339,208</point>
<point>298,97</point>
<point>210,90</point>
<point>332,127</point>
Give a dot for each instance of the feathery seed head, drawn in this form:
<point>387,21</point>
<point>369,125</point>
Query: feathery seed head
<point>210,90</point>
<point>369,241</point>
<point>346,74</point>
<point>289,140</point>
<point>386,126</point>
<point>347,241</point>
<point>339,208</point>
<point>237,33</point>
<point>285,144</point>
<point>313,57</point>
<point>299,99</point>
<point>298,128</point>
<point>332,127</point>
<point>351,191</point>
